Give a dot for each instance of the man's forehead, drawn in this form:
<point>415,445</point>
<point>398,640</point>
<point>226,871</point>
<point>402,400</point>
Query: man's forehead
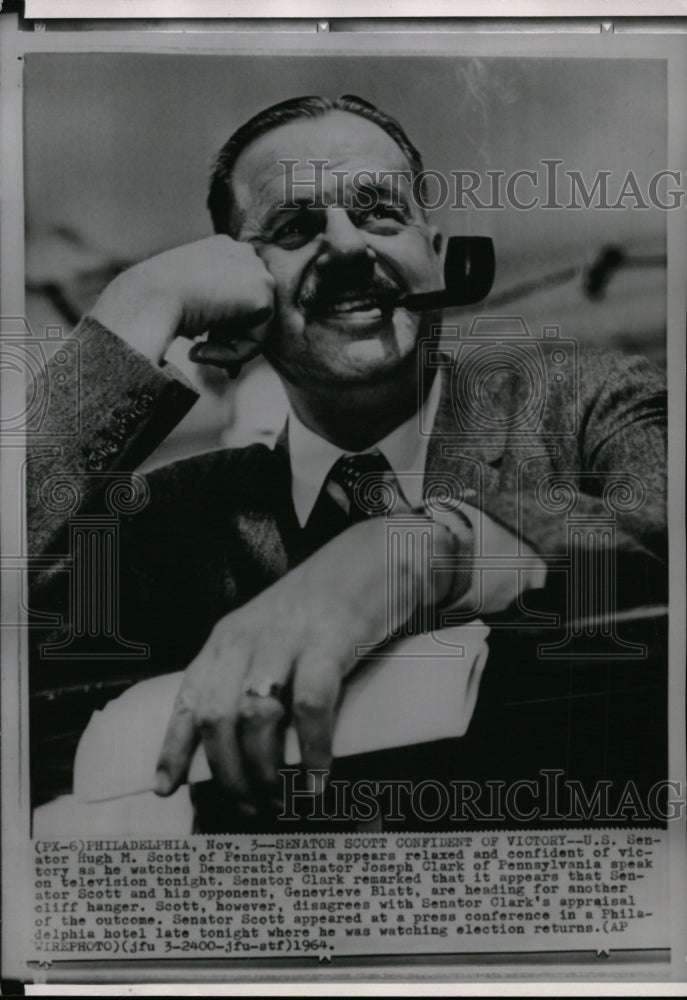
<point>341,139</point>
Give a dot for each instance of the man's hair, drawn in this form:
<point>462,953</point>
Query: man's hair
<point>221,200</point>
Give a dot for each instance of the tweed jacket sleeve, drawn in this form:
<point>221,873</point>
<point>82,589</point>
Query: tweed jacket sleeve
<point>125,406</point>
<point>583,484</point>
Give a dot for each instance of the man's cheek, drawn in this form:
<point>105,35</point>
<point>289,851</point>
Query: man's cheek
<point>407,326</point>
<point>285,331</point>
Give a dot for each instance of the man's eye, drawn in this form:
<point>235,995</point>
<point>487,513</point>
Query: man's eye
<point>384,218</point>
<point>296,232</point>
<point>387,212</point>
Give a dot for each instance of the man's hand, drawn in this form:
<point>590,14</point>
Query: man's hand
<point>217,285</point>
<point>300,634</point>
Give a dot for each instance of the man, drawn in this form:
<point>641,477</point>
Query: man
<point>246,567</point>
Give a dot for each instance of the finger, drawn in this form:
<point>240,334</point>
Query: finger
<point>231,357</point>
<point>181,739</point>
<point>246,327</point>
<point>220,739</point>
<point>243,318</point>
<point>261,714</point>
<point>317,682</point>
<point>229,345</point>
<point>258,317</point>
<point>261,731</point>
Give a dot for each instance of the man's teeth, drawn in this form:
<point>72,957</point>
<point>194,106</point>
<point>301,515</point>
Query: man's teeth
<point>347,307</point>
<point>354,305</point>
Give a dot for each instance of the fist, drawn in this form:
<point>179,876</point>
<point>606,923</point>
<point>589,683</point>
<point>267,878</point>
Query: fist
<point>216,286</point>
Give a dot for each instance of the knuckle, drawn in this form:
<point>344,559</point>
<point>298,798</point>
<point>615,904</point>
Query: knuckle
<point>309,705</point>
<point>222,642</point>
<point>219,632</point>
<point>185,701</point>
<point>260,710</point>
<point>243,248</point>
<point>263,293</point>
<point>211,718</point>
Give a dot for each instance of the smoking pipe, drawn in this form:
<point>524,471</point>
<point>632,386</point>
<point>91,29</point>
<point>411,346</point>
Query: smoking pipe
<point>469,268</point>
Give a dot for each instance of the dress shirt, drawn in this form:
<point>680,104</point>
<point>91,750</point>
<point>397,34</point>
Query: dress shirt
<point>405,449</point>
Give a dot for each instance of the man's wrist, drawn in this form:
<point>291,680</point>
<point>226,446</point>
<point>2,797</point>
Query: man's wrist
<point>460,574</point>
<point>453,545</point>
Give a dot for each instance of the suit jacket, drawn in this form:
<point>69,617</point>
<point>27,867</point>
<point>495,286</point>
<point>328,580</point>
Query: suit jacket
<point>577,455</point>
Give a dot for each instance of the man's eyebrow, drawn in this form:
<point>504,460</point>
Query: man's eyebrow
<point>302,201</point>
<point>297,203</point>
<point>385,186</point>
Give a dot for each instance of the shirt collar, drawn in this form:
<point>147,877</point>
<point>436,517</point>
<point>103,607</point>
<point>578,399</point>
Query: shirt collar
<point>405,449</point>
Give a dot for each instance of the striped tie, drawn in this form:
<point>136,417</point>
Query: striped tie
<point>366,486</point>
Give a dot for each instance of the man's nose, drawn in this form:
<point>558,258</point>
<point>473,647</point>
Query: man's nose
<point>341,239</point>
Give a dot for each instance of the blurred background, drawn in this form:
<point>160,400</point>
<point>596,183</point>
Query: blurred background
<point>118,150</point>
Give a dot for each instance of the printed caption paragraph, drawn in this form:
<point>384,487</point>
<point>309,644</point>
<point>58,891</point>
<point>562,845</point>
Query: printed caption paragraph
<point>324,895</point>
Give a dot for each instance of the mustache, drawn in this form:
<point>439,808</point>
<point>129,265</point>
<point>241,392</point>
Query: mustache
<point>321,292</point>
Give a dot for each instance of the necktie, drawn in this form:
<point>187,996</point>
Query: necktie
<point>363,483</point>
<point>355,489</point>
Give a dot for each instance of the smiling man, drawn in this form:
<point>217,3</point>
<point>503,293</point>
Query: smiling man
<point>260,571</point>
<point>340,267</point>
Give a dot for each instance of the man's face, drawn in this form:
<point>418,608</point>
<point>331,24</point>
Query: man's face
<point>339,260</point>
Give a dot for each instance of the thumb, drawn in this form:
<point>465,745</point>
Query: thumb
<point>230,349</point>
<point>229,355</point>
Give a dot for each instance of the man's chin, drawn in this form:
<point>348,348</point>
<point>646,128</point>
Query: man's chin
<point>370,359</point>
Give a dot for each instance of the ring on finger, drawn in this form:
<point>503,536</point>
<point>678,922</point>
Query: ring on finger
<point>265,687</point>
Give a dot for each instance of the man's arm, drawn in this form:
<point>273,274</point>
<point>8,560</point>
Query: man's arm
<point>129,399</point>
<point>598,503</point>
<point>126,406</point>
